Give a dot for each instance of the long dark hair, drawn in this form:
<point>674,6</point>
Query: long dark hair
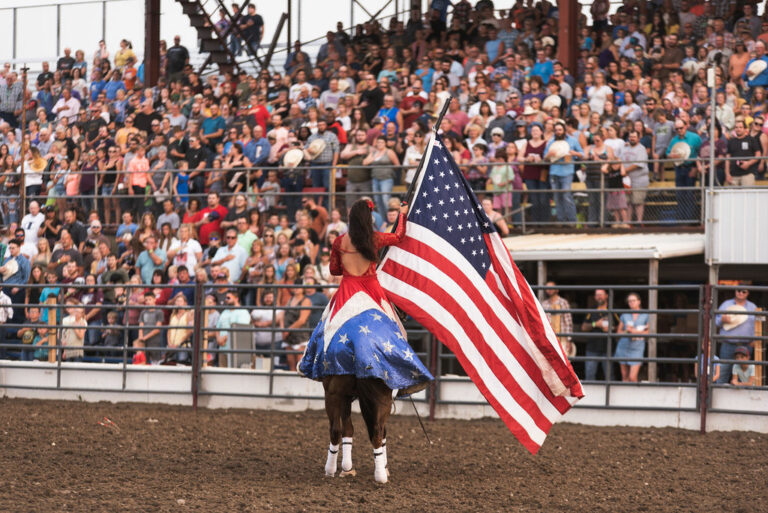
<point>361,229</point>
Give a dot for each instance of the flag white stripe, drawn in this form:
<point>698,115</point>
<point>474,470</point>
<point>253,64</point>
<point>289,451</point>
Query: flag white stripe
<point>503,254</point>
<point>437,243</point>
<point>494,386</point>
<point>491,337</point>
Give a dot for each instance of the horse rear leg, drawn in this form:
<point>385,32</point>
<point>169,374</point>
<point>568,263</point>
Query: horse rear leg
<point>347,431</point>
<point>375,404</point>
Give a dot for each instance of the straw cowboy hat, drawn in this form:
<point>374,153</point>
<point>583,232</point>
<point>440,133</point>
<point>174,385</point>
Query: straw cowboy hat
<point>293,158</point>
<point>11,268</point>
<point>680,152</point>
<point>529,111</point>
<point>756,67</point>
<point>558,150</point>
<point>553,100</point>
<point>735,319</point>
<point>315,148</point>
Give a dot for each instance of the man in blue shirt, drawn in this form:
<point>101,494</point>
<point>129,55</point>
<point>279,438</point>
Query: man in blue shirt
<point>150,260</point>
<point>686,172</point>
<point>760,80</point>
<point>97,85</point>
<point>14,274</point>
<point>543,67</point>
<point>212,129</point>
<point>114,85</point>
<point>561,174</point>
<point>734,325</point>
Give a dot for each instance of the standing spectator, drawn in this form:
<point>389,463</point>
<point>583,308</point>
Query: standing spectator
<point>151,335</point>
<point>561,174</point>
<point>561,322</point>
<point>137,179</point>
<point>325,162</point>
<point>208,220</point>
<point>685,170</point>
<point>32,222</point>
<point>73,336</point>
<point>67,107</point>
<point>234,314</point>
<point>66,63</point>
<point>231,256</point>
<point>663,131</point>
<point>15,271</point>
<point>150,260</point>
<point>760,79</point>
<point>177,58</point>
<point>358,176</point>
<point>11,99</point>
<point>634,323</point>
<point>252,29</point>
<point>635,157</point>
<point>746,149</point>
<point>735,325</point>
<point>295,320</point>
<point>599,323</point>
<point>381,160</point>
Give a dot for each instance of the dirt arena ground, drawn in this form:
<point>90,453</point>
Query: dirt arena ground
<point>56,457</point>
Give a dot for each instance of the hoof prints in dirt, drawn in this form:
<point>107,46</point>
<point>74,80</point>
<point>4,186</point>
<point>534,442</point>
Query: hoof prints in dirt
<point>56,457</point>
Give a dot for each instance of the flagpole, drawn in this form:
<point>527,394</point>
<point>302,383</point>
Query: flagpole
<point>435,127</point>
<point>419,168</point>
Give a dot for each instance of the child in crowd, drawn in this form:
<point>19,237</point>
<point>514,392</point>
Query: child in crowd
<point>743,373</point>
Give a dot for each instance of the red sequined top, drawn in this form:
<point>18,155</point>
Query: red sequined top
<point>380,240</point>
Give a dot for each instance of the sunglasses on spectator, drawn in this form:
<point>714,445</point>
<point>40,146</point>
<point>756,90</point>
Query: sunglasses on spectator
<point>213,238</point>
<point>742,291</point>
<point>230,237</point>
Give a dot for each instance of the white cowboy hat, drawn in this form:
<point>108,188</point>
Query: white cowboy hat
<point>11,268</point>
<point>529,111</point>
<point>680,152</point>
<point>756,67</point>
<point>315,148</point>
<point>735,319</point>
<point>690,68</point>
<point>343,85</point>
<point>293,158</point>
<point>553,100</point>
<point>558,150</point>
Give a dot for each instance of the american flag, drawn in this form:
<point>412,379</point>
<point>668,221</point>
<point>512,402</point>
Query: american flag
<point>453,274</point>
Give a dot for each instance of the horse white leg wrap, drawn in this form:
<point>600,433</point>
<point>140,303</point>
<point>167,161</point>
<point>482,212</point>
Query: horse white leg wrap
<point>346,454</point>
<point>330,463</point>
<point>379,465</point>
<point>384,448</point>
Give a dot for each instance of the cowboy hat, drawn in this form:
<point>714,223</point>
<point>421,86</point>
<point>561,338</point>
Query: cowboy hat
<point>529,111</point>
<point>553,100</point>
<point>735,319</point>
<point>756,67</point>
<point>690,69</point>
<point>558,150</point>
<point>11,268</point>
<point>315,148</point>
<point>293,158</point>
<point>343,85</point>
<point>680,152</point>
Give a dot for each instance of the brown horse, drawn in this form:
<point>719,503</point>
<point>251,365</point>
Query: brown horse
<point>375,399</point>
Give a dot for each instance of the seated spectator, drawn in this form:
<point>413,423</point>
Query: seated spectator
<point>268,320</point>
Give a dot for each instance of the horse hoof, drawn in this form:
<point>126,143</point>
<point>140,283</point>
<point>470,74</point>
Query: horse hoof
<point>380,477</point>
<point>351,472</point>
<point>327,474</point>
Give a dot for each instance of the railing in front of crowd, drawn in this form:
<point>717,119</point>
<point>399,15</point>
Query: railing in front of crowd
<point>590,201</point>
<point>680,340</point>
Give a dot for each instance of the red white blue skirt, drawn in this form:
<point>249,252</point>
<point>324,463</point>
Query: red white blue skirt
<point>360,334</point>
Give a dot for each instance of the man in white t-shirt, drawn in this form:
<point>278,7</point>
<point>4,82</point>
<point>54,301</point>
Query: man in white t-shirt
<point>32,222</point>
<point>265,317</point>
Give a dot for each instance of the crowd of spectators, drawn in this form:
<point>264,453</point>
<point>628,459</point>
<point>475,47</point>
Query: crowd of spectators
<point>219,179</point>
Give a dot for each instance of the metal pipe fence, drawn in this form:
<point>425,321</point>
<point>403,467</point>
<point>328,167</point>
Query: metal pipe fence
<point>220,349</point>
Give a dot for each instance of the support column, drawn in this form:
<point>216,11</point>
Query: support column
<point>568,34</point>
<point>151,42</point>
<point>541,277</point>
<point>653,304</point>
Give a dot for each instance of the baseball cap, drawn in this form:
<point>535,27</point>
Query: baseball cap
<point>742,350</point>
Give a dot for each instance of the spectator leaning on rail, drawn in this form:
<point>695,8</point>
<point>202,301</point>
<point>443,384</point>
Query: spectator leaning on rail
<point>735,325</point>
<point>561,173</point>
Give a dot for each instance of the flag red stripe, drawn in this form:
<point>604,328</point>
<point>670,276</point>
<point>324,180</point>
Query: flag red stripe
<point>502,373</point>
<point>532,320</point>
<point>449,340</point>
<point>426,252</point>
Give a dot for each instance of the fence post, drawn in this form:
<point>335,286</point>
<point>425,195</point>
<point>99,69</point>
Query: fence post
<point>332,190</point>
<point>52,321</point>
<point>602,200</point>
<point>196,342</point>
<point>434,371</point>
<point>705,358</point>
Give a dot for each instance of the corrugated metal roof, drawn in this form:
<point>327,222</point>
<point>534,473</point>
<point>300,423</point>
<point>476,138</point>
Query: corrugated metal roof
<point>608,246</point>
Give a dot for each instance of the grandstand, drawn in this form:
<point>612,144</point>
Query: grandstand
<point>139,188</point>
